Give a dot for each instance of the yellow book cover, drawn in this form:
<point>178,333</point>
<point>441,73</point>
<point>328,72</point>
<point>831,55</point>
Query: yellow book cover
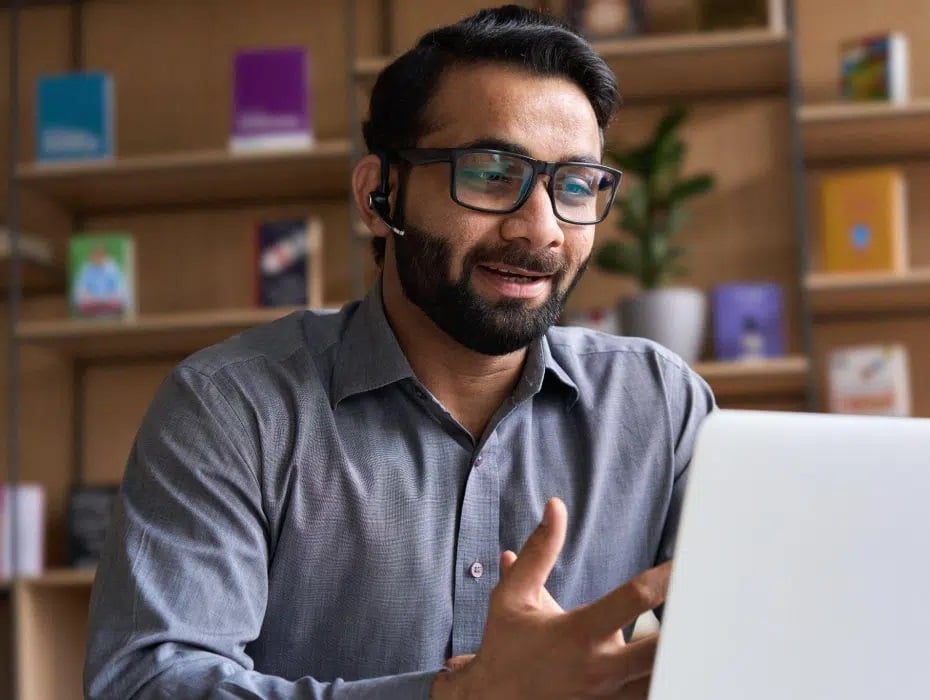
<point>864,221</point>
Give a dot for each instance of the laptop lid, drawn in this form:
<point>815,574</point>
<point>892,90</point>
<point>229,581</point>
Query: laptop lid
<point>802,566</point>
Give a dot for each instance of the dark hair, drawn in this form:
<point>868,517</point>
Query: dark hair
<point>514,35</point>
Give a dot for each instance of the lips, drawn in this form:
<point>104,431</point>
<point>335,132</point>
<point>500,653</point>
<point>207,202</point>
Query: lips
<point>516,273</point>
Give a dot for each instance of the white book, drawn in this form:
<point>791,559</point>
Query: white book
<point>870,380</point>
<point>31,247</point>
<point>29,529</point>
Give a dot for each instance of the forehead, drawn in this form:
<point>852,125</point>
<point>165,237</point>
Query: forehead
<point>550,117</point>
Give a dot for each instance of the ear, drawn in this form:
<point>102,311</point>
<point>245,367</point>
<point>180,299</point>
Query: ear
<point>366,178</point>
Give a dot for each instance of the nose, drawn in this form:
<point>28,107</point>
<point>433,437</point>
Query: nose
<point>535,221</point>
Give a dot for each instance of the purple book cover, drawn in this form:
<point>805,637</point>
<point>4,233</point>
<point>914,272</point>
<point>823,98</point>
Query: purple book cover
<point>748,321</point>
<point>271,98</point>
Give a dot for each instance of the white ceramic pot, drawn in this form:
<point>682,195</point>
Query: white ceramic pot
<point>672,316</point>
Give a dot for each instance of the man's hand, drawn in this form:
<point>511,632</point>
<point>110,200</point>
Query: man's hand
<point>534,649</point>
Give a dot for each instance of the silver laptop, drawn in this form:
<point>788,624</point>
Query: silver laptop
<point>802,569</point>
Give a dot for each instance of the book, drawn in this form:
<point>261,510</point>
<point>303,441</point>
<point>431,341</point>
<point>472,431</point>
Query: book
<point>871,379</point>
<point>603,19</point>
<point>90,509</point>
<point>33,248</point>
<point>864,221</point>
<point>271,99</point>
<point>74,117</point>
<point>101,275</point>
<point>875,67</point>
<point>748,320</point>
<point>288,262</point>
<point>22,528</point>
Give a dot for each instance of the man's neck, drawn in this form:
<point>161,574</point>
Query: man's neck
<point>470,385</point>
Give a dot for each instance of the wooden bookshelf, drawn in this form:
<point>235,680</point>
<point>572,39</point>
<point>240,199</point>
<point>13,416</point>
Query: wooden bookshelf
<point>836,133</point>
<point>196,178</point>
<point>36,278</point>
<point>780,376</point>
<point>61,578</point>
<point>750,61</point>
<point>148,335</point>
<point>51,613</point>
<point>869,294</point>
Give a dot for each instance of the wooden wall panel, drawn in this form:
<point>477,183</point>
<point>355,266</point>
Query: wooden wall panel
<point>172,64</point>
<point>116,399</point>
<point>823,25</point>
<point>202,259</point>
<point>410,19</point>
<point>743,230</point>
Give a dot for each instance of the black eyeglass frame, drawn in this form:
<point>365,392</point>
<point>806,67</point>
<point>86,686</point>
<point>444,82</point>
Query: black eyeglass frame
<point>428,156</point>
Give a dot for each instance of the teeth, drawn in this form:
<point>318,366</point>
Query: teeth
<point>508,271</point>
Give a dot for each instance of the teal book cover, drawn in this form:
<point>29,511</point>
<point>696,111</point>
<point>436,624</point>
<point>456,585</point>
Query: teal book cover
<point>74,117</point>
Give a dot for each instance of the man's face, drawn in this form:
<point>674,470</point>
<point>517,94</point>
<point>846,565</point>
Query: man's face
<point>495,282</point>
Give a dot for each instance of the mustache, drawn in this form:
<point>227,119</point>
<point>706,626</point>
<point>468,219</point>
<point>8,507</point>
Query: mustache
<point>541,263</point>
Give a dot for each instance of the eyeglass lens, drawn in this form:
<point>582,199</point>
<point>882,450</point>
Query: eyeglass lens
<point>495,182</point>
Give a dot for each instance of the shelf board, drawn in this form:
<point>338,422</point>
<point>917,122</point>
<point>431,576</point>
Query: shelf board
<point>681,65</point>
<point>756,378</point>
<point>37,278</point>
<point>858,295</point>
<point>147,336</point>
<point>58,577</point>
<point>194,178</point>
<point>865,131</point>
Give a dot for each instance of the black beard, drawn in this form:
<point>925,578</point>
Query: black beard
<point>424,268</point>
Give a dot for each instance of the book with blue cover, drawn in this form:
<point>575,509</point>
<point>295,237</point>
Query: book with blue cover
<point>74,117</point>
<point>748,321</point>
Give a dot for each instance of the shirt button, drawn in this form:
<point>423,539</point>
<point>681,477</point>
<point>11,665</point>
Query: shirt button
<point>421,395</point>
<point>478,460</point>
<point>477,569</point>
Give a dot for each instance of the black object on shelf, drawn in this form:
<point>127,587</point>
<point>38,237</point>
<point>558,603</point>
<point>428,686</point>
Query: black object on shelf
<point>89,512</point>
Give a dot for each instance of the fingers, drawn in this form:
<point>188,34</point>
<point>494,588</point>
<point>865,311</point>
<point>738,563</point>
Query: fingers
<point>637,658</point>
<point>529,572</point>
<point>457,663</point>
<point>507,560</point>
<point>623,605</point>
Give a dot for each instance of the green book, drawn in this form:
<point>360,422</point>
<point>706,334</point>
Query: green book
<point>101,275</point>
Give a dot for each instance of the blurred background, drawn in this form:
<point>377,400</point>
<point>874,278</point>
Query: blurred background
<point>177,171</point>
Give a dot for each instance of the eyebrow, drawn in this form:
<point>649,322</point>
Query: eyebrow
<point>504,145</point>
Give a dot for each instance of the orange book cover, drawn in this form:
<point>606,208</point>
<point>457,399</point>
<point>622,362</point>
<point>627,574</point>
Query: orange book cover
<point>864,221</point>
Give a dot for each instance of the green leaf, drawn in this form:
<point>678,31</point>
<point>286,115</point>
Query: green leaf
<point>619,258</point>
<point>670,122</point>
<point>637,161</point>
<point>699,184</point>
<point>635,209</point>
<point>666,169</point>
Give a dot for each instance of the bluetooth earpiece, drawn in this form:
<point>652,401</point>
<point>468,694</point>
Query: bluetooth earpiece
<point>378,203</point>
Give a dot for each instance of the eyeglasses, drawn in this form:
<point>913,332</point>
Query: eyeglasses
<point>500,182</point>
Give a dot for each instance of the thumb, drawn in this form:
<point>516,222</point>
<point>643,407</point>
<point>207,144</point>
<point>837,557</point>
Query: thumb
<point>529,572</point>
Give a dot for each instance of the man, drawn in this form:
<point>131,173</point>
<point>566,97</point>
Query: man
<point>330,505</point>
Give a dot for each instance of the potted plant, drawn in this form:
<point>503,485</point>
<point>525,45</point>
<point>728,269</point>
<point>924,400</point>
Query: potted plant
<point>652,211</point>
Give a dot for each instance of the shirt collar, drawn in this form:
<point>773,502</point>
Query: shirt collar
<point>371,358</point>
<point>540,366</point>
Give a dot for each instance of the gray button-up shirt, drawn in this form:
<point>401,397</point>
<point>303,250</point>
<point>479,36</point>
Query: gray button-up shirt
<point>301,518</point>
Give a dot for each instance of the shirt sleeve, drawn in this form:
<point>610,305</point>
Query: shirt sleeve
<point>690,401</point>
<point>182,584</point>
